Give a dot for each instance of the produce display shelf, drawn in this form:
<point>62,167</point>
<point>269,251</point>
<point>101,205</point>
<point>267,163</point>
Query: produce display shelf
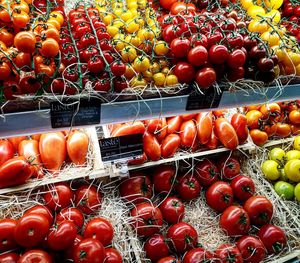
<point>37,121</point>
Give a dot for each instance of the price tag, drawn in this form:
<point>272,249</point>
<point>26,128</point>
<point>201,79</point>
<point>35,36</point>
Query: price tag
<point>209,99</point>
<point>78,113</point>
<point>124,147</point>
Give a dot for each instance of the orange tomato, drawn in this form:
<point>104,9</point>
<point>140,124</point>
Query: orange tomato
<point>54,23</point>
<point>251,107</point>
<point>20,18</point>
<point>294,116</point>
<point>283,130</point>
<point>188,117</point>
<point>16,141</point>
<point>226,133</point>
<point>162,133</point>
<point>52,33</point>
<point>6,37</point>
<point>4,16</point>
<point>174,124</point>
<point>129,128</point>
<point>36,137</point>
<point>204,126</point>
<point>188,134</point>
<point>270,129</point>
<point>219,113</point>
<point>77,147</point>
<point>151,147</point>
<point>239,123</point>
<point>295,129</point>
<point>53,150</point>
<point>259,137</point>
<point>25,41</point>
<point>22,60</point>
<point>270,111</point>
<point>49,48</point>
<point>253,118</point>
<point>213,142</point>
<point>170,145</point>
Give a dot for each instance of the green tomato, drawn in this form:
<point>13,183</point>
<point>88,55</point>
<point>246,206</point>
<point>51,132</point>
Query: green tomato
<point>283,176</point>
<point>277,154</point>
<point>270,170</point>
<point>297,192</point>
<point>292,170</point>
<point>285,190</point>
<point>297,143</point>
<point>292,155</point>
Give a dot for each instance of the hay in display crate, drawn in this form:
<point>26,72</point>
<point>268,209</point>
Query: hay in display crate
<point>69,171</point>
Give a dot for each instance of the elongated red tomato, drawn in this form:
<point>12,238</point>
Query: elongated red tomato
<point>170,145</point>
<point>77,147</point>
<point>151,147</point>
<point>239,123</point>
<point>129,128</point>
<point>226,133</point>
<point>213,142</point>
<point>174,124</point>
<point>16,141</point>
<point>15,171</point>
<point>53,150</point>
<point>204,126</point>
<point>188,134</point>
<point>162,133</point>
<point>154,125</point>
<point>6,151</point>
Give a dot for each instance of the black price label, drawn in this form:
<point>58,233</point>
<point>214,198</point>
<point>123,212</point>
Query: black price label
<point>77,113</point>
<point>124,147</point>
<point>209,99</point>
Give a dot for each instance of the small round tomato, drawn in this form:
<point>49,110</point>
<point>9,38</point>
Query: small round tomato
<point>172,210</point>
<point>118,68</point>
<point>112,256</point>
<point>100,229</point>
<point>41,210</point>
<point>188,187</point>
<point>185,72</point>
<point>230,168</point>
<point>7,240</point>
<point>164,178</point>
<point>294,117</point>
<point>49,48</point>
<point>146,219</point>
<point>218,54</point>
<point>156,247</point>
<point>182,236</point>
<point>219,196</point>
<point>236,59</point>
<point>229,253</point>
<point>243,187</point>
<point>178,7</point>
<point>31,229</point>
<point>59,196</point>
<point>4,70</point>
<point>169,259</point>
<point>198,254</point>
<point>283,130</point>
<point>206,172</point>
<point>251,248</point>
<point>96,65</point>
<point>35,255</point>
<point>206,77</point>
<point>259,137</point>
<point>9,258</point>
<point>260,210</point>
<point>253,119</point>
<point>87,199</point>
<point>273,238</point>
<point>198,56</point>
<point>72,214</point>
<point>235,221</point>
<point>89,250</point>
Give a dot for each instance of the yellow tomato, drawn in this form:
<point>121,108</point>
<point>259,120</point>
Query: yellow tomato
<point>132,6</point>
<point>131,26</point>
<point>273,4</point>
<point>154,68</point>
<point>295,57</point>
<point>108,19</point>
<point>133,40</point>
<point>128,54</point>
<point>271,37</point>
<point>256,26</point>
<point>277,71</point>
<point>138,81</point>
<point>279,52</point>
<point>274,16</point>
<point>140,21</point>
<point>256,11</point>
<point>142,4</point>
<point>117,5</point>
<point>148,75</point>
<point>119,41</point>
<point>165,70</point>
<point>118,23</point>
<point>246,4</point>
<point>281,30</point>
<point>161,48</point>
<point>141,64</point>
<point>171,80</point>
<point>298,70</point>
<point>129,73</point>
<point>159,79</point>
<point>57,16</point>
<point>125,16</point>
<point>112,30</point>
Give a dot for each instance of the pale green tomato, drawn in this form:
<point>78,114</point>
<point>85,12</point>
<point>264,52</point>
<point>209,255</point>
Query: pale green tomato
<point>283,176</point>
<point>285,190</point>
<point>270,170</point>
<point>277,154</point>
<point>297,192</point>
<point>297,143</point>
<point>292,170</point>
<point>292,155</point>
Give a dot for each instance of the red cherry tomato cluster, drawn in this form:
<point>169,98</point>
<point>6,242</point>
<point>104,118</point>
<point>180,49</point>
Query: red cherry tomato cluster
<point>273,120</point>
<point>164,137</point>
<point>22,158</point>
<point>58,231</point>
<point>210,46</point>
<point>224,184</point>
<point>291,13</point>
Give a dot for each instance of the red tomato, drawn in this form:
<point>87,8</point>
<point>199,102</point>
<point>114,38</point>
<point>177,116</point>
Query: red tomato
<point>185,72</point>
<point>35,255</point>
<point>164,178</point>
<point>15,171</point>
<point>270,130</point>
<point>6,151</point>
<point>295,129</point>
<point>170,145</point>
<point>87,199</point>
<point>162,133</point>
<point>239,123</point>
<point>89,250</point>
<point>31,229</point>
<point>53,157</point>
<point>151,147</point>
<point>198,56</point>
<point>254,118</point>
<point>204,127</point>
<point>154,125</point>
<point>62,235</point>
<point>229,253</point>
<point>167,3</point>
<point>156,247</point>
<point>187,117</point>
<point>72,214</point>
<point>259,137</point>
<point>260,210</point>
<point>235,221</point>
<point>273,238</point>
<point>198,39</point>
<point>182,236</point>
<point>230,168</point>
<point>112,256</point>
<point>180,47</point>
<point>243,187</point>
<point>174,124</point>
<point>172,210</point>
<point>236,59</point>
<point>218,54</point>
<point>136,127</point>
<point>198,255</point>
<point>188,187</point>
<point>59,196</point>
<point>188,134</point>
<point>206,172</point>
<point>226,133</point>
<point>7,241</point>
<point>9,258</point>
<point>169,259</point>
<point>69,252</point>
<point>100,229</point>
<point>137,188</point>
<point>15,141</point>
<point>41,210</point>
<point>77,147</point>
<point>146,219</point>
<point>219,196</point>
<point>206,77</point>
<point>252,249</point>
<point>178,7</point>
<point>213,142</point>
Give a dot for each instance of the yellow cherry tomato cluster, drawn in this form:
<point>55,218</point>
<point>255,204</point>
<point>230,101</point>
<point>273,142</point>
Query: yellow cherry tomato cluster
<point>135,34</point>
<point>265,20</point>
